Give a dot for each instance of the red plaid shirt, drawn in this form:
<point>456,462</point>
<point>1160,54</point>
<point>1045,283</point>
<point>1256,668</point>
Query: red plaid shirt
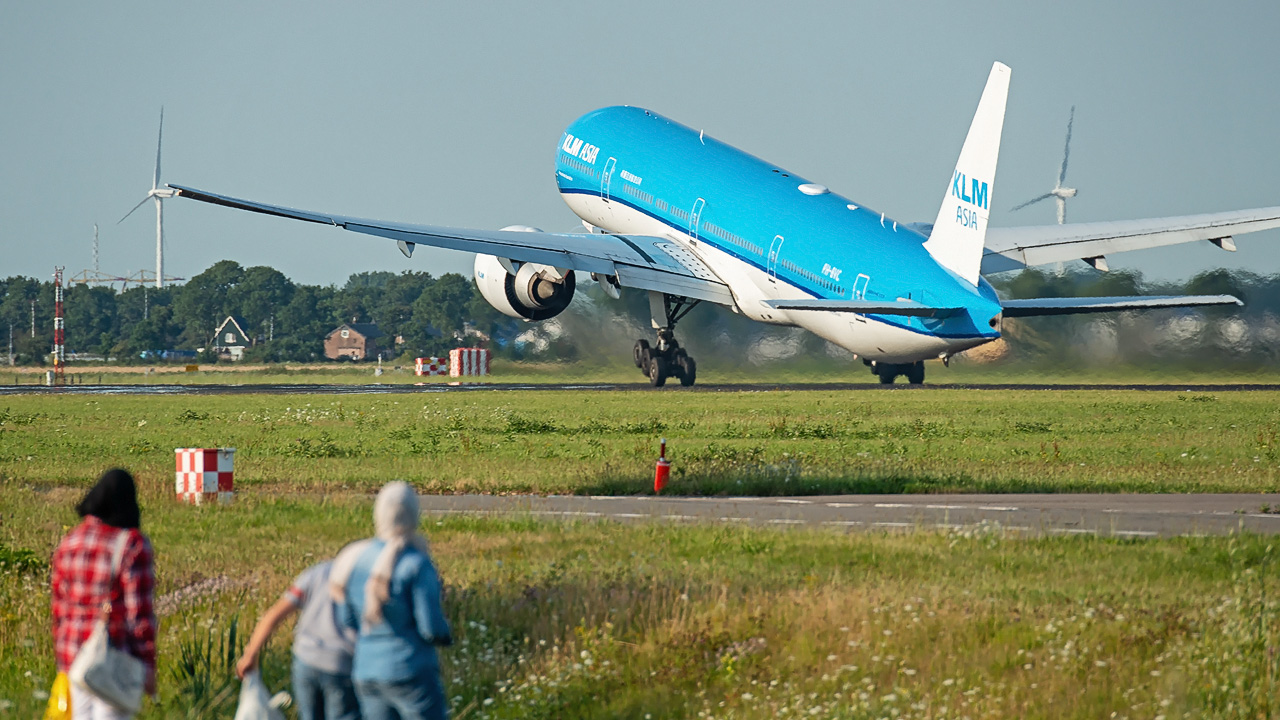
<point>82,581</point>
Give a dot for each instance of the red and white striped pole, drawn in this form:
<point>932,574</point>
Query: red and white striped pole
<point>59,329</point>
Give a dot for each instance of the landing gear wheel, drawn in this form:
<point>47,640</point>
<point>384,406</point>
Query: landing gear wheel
<point>688,369</point>
<point>639,352</point>
<point>915,373</point>
<point>665,358</point>
<point>657,371</point>
<point>887,377</point>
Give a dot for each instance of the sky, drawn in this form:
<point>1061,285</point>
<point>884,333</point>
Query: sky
<point>450,114</point>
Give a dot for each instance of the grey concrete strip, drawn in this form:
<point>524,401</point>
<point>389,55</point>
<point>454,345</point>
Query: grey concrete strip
<point>1121,516</point>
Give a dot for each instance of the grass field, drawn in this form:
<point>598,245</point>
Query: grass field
<point>766,443</point>
<point>660,621</point>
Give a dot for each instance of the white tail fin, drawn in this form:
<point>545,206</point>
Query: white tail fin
<point>960,231</point>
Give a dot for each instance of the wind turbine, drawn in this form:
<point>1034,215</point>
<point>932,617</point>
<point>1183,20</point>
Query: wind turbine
<point>1059,192</point>
<point>158,194</point>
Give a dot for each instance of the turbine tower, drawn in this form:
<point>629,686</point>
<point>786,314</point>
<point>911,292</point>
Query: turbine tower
<point>158,194</point>
<point>1060,193</point>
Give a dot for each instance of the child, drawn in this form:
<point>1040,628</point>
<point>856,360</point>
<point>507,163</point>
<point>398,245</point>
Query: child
<point>322,648</point>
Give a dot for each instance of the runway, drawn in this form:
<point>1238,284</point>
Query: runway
<point>379,389</point>
<point>1112,516</point>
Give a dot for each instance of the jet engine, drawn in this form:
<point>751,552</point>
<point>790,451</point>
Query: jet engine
<point>528,291</point>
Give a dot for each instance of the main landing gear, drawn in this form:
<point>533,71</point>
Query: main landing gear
<point>888,372</point>
<point>666,359</point>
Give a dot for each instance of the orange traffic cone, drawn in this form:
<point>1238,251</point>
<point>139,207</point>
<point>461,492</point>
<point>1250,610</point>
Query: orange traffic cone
<point>663,471</point>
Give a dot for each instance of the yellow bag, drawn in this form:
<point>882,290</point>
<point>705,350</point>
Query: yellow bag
<point>59,699</point>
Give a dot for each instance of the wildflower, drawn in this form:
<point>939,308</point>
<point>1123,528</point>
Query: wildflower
<point>748,697</point>
<point>949,682</point>
<point>488,702</point>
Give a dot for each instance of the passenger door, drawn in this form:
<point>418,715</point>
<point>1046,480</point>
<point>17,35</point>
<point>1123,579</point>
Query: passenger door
<point>772,262</point>
<point>695,218</point>
<point>606,176</point>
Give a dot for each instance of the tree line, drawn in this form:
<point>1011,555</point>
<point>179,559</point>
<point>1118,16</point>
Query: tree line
<point>288,321</point>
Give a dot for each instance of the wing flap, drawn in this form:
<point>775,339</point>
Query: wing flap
<point>1069,306</point>
<point>643,263</point>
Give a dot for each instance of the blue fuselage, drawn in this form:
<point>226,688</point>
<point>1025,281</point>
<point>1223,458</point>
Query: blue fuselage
<point>812,242</point>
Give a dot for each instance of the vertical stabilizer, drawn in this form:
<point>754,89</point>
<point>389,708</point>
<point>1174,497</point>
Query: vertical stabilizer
<point>960,231</point>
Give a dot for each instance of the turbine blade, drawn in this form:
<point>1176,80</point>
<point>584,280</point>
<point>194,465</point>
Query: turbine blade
<point>1066,150</point>
<point>135,207</point>
<point>155,182</point>
<point>1032,201</point>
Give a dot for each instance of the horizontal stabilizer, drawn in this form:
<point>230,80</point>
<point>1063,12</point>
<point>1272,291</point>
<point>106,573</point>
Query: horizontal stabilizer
<point>908,308</point>
<point>1069,306</point>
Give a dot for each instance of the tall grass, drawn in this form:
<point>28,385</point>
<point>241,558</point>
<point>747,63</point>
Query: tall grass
<point>204,670</point>
<point>599,620</point>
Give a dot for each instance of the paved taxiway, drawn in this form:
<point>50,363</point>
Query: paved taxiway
<point>1121,516</point>
<point>378,389</point>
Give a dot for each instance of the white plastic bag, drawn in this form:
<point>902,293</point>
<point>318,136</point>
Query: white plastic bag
<point>256,702</point>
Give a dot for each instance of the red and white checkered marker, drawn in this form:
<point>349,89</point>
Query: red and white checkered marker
<point>468,361</point>
<point>204,474</point>
<point>430,366</point>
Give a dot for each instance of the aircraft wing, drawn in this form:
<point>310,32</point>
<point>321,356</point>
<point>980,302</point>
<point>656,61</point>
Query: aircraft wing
<point>1070,306</point>
<point>641,262</point>
<point>1018,247</point>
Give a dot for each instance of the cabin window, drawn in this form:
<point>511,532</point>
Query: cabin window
<point>346,333</point>
<point>578,165</point>
<point>231,337</point>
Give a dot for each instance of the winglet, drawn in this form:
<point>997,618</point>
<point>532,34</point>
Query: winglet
<point>960,231</point>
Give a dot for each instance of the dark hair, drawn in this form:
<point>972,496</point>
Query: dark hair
<point>113,500</point>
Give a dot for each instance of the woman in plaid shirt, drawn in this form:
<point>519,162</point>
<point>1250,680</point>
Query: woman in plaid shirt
<point>82,581</point>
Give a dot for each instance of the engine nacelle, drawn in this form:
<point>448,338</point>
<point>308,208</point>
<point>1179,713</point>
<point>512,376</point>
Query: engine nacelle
<point>534,292</point>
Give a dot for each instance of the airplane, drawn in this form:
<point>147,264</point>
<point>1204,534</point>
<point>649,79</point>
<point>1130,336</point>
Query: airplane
<point>688,219</point>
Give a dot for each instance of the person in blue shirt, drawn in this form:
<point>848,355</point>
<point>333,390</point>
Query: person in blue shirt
<point>390,592</point>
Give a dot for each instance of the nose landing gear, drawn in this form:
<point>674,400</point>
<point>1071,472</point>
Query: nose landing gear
<point>666,359</point>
